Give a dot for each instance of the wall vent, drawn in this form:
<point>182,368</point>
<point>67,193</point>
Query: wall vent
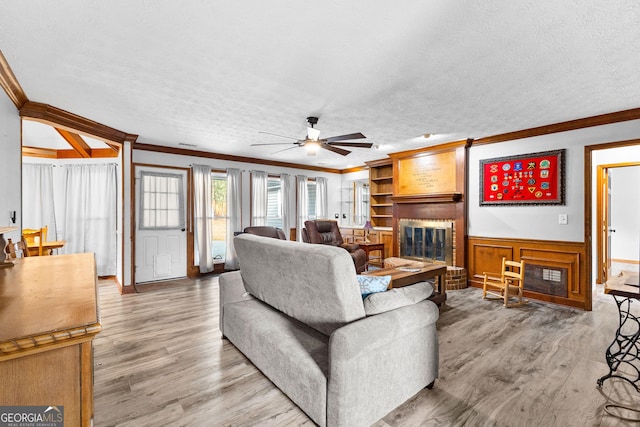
<point>546,280</point>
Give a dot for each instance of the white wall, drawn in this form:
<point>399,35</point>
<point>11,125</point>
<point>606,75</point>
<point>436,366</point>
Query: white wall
<point>10,166</point>
<point>541,222</point>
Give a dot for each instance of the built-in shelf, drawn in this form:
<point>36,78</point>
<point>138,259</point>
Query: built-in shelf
<point>381,186</point>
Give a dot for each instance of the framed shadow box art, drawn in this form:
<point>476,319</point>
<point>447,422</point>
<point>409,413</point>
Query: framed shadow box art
<point>528,179</point>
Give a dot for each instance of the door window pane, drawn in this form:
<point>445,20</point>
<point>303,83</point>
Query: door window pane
<point>162,204</point>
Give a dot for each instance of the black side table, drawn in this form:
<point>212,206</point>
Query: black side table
<point>624,351</point>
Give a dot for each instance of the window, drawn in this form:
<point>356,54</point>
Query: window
<point>274,202</point>
<point>162,201</point>
<point>311,194</point>
<point>219,219</point>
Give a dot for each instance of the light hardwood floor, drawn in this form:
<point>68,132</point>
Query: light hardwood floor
<point>160,361</point>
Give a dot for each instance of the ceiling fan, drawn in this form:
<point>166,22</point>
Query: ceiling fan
<point>313,142</point>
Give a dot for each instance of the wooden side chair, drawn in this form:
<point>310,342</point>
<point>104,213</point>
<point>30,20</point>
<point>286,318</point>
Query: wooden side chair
<point>510,284</point>
<point>31,233</point>
<point>32,237</point>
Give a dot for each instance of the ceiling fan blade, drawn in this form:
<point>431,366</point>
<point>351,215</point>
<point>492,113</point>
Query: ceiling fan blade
<point>284,149</point>
<point>275,134</point>
<point>335,149</point>
<point>276,143</point>
<point>357,135</point>
<point>352,144</point>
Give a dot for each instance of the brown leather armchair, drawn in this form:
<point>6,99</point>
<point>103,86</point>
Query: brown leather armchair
<point>266,231</point>
<point>327,232</point>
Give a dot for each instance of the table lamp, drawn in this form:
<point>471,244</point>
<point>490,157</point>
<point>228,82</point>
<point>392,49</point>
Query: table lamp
<point>367,227</point>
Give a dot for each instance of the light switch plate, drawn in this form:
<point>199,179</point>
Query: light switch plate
<point>563,219</point>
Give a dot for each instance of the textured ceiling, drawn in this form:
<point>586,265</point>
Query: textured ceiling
<point>214,74</point>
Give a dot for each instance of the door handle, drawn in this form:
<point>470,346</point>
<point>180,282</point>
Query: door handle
<point>183,229</point>
<point>612,230</point>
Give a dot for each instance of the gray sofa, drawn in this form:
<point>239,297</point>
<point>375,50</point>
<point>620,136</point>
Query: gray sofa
<point>296,311</point>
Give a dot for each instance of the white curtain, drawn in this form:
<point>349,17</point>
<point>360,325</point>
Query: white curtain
<point>259,198</point>
<point>234,215</point>
<point>202,213</point>
<point>322,205</point>
<point>303,202</point>
<point>38,208</point>
<point>287,194</point>
<point>89,213</point>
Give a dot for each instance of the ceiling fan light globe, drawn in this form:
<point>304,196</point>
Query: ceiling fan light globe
<point>312,147</point>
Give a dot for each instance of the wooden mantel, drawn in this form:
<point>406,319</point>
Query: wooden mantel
<point>428,198</point>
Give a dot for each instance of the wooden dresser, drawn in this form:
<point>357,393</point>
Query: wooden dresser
<point>48,319</point>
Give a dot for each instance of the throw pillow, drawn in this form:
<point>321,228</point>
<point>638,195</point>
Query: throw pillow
<point>372,284</point>
<point>397,297</point>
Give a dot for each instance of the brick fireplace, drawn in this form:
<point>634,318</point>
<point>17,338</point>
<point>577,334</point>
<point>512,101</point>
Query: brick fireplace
<point>432,216</point>
<point>426,240</point>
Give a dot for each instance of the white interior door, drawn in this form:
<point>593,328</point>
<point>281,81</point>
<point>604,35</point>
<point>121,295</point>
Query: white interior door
<point>607,227</point>
<point>161,238</point>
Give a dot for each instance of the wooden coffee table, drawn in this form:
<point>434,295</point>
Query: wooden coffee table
<point>403,276</point>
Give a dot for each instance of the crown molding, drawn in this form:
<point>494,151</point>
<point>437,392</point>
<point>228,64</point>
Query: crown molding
<point>73,123</point>
<point>447,146</point>
<point>600,120</point>
<point>10,84</point>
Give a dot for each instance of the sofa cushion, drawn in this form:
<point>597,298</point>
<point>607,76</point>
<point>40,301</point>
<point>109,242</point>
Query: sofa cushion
<point>397,297</point>
<point>292,355</point>
<point>315,284</point>
<point>372,284</point>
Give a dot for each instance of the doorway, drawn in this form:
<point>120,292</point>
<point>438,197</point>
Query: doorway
<point>608,194</point>
<point>72,186</point>
<point>618,239</point>
<point>160,224</point>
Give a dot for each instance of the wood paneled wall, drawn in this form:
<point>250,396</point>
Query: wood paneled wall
<point>485,254</point>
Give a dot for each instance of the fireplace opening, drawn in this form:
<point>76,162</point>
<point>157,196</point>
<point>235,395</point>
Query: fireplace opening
<point>426,240</point>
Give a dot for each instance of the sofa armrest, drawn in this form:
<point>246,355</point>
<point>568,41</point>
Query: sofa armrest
<point>232,290</point>
<point>351,247</point>
<point>377,363</point>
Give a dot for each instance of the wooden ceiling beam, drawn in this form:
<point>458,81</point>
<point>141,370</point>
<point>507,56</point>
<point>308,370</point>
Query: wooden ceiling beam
<point>96,153</point>
<point>62,119</point>
<point>47,153</point>
<point>76,142</point>
<point>50,153</point>
<point>10,84</point>
<point>113,147</point>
